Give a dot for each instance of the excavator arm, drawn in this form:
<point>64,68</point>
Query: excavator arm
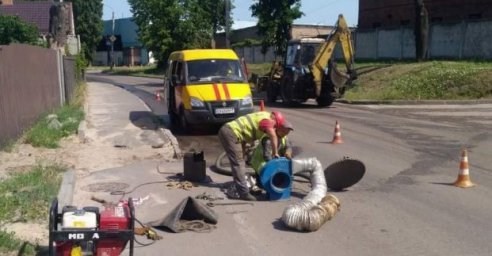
<point>342,34</point>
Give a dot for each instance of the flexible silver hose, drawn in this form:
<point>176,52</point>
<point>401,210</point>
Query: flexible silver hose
<point>308,214</point>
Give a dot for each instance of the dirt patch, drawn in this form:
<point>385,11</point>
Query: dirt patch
<point>83,157</point>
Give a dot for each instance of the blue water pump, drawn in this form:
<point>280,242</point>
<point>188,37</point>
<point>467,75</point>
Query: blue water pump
<point>276,178</point>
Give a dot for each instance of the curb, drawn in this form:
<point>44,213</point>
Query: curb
<point>81,130</point>
<point>65,194</point>
<point>413,102</point>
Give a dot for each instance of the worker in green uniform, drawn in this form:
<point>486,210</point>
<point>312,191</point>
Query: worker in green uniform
<point>263,152</point>
<point>248,129</point>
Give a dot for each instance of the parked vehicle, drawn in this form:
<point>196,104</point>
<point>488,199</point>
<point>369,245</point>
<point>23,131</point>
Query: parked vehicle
<point>308,70</point>
<point>206,86</point>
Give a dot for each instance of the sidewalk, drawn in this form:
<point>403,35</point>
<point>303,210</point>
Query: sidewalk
<point>119,119</point>
<point>118,129</point>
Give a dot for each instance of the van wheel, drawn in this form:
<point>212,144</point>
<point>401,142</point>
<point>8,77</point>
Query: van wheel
<point>185,126</point>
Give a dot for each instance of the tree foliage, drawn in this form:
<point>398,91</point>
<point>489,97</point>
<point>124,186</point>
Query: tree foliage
<point>14,30</point>
<point>169,25</point>
<point>275,18</point>
<point>88,24</point>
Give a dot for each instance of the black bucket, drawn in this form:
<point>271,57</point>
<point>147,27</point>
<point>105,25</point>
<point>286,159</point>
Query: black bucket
<point>194,166</point>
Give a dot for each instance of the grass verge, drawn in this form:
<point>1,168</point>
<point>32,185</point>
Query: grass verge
<point>26,197</point>
<point>47,132</point>
<point>8,244</point>
<point>43,134</point>
<point>431,80</point>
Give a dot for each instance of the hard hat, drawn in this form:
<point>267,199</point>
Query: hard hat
<point>279,118</point>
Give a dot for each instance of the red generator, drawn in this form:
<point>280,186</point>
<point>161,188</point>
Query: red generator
<point>87,231</point>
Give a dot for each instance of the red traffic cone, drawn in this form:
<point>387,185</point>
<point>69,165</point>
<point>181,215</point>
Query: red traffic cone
<point>262,105</point>
<point>157,96</point>
<point>463,180</point>
<point>337,138</point>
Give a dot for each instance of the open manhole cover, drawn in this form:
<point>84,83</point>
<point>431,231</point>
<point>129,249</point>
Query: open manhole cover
<point>344,173</point>
<point>105,187</point>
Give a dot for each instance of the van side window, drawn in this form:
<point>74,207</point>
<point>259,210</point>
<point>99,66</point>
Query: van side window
<point>178,71</point>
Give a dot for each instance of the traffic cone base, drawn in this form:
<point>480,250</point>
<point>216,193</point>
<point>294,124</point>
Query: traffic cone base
<point>463,180</point>
<point>337,138</point>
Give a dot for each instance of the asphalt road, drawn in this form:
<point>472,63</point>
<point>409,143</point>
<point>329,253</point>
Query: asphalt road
<point>404,205</point>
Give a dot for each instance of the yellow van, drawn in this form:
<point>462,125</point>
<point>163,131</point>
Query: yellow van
<point>206,86</point>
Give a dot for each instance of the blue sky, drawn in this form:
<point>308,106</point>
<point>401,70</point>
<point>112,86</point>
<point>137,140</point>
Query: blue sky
<point>322,12</point>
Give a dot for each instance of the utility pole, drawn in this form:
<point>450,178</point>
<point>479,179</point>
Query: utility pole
<point>227,25</point>
<point>113,38</point>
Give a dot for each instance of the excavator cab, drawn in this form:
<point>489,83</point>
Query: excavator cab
<point>309,70</point>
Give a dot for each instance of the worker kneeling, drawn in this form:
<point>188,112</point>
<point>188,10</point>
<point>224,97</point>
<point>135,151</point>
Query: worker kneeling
<point>263,152</point>
<point>249,129</point>
<point>274,178</point>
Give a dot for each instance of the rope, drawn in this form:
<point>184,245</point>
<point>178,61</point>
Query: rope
<point>208,197</point>
<point>198,226</point>
<point>186,185</point>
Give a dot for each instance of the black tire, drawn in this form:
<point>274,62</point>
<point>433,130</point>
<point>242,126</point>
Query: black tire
<point>271,92</point>
<point>324,101</point>
<point>171,112</point>
<point>222,165</point>
<point>287,88</point>
<point>183,123</point>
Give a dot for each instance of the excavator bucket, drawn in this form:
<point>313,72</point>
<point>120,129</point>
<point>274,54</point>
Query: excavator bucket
<point>337,79</point>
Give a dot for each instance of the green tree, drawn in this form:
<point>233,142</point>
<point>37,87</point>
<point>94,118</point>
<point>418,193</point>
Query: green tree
<point>169,25</point>
<point>14,30</point>
<point>216,11</point>
<point>275,18</point>
<point>88,24</point>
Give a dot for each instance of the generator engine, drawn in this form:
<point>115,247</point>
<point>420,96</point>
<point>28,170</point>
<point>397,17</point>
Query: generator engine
<point>87,231</point>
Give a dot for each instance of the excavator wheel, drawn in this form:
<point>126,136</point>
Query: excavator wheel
<point>324,101</point>
<point>271,91</point>
<point>287,88</point>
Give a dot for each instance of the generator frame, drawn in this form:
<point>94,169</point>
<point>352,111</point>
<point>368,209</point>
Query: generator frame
<point>78,235</point>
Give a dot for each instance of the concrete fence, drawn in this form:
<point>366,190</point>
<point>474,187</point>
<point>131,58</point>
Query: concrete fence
<point>252,54</point>
<point>33,81</point>
<point>464,40</point>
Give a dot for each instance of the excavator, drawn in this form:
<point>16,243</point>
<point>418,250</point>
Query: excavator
<point>309,70</point>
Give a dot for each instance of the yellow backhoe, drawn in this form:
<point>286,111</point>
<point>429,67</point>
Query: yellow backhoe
<point>308,71</point>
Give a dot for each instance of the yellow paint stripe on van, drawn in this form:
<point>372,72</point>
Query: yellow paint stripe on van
<point>207,92</point>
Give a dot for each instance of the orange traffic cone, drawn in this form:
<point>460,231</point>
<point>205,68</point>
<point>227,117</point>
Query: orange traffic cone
<point>157,96</point>
<point>262,105</point>
<point>337,138</point>
<point>463,180</point>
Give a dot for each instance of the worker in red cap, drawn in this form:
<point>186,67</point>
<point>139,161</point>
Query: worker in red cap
<point>248,129</point>
<point>263,152</point>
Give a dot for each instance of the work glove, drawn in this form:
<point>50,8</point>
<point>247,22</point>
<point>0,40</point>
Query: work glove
<point>288,155</point>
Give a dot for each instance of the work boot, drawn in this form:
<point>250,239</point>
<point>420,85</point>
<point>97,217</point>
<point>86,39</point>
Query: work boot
<point>247,197</point>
